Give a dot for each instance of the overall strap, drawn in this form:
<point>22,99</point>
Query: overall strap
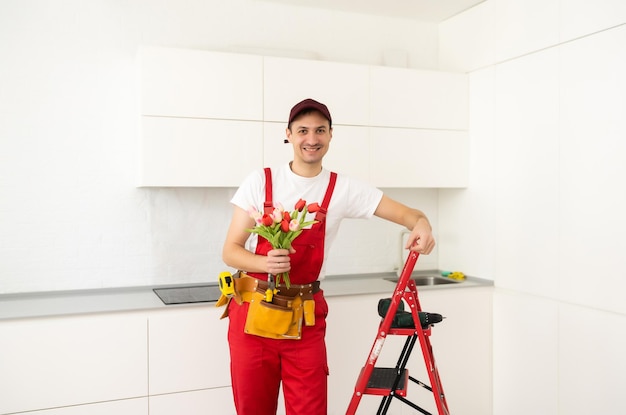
<point>268,206</point>
<point>321,214</point>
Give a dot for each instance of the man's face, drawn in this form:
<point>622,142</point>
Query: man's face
<point>310,135</point>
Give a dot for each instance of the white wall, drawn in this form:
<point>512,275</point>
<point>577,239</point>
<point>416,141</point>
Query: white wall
<point>543,213</point>
<point>70,216</point>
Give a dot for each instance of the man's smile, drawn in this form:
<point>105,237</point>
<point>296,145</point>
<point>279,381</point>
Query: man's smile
<point>311,148</point>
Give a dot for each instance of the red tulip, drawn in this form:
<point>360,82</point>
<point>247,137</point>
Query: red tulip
<point>286,216</point>
<point>300,205</point>
<point>313,207</point>
<point>284,226</point>
<point>267,220</point>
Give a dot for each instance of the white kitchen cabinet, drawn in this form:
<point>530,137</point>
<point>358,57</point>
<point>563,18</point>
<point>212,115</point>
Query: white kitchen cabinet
<point>526,362</point>
<point>342,87</point>
<point>198,152</point>
<point>352,324</point>
<point>203,113</point>
<point>137,406</point>
<point>403,157</point>
<point>513,19</point>
<point>594,127</point>
<point>188,350</point>
<point>56,362</point>
<point>275,151</point>
<point>201,84</point>
<point>201,402</point>
<point>461,347</point>
<point>201,117</point>
<point>348,154</point>
<point>418,99</point>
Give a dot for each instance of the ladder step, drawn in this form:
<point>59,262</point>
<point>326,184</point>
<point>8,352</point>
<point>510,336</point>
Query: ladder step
<point>408,332</point>
<point>382,379</point>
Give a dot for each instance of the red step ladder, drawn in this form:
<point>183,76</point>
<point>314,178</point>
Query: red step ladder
<point>392,383</point>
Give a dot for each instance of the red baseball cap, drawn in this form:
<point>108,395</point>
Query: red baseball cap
<point>310,104</point>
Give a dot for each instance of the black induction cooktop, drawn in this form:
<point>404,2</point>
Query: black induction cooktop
<point>188,294</point>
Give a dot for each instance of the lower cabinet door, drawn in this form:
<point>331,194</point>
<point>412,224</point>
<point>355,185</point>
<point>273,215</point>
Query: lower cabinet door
<point>65,361</point>
<point>188,350</point>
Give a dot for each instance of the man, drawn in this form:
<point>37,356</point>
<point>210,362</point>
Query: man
<point>259,364</point>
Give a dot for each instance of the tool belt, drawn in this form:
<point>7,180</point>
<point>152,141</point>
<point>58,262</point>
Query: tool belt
<point>282,317</point>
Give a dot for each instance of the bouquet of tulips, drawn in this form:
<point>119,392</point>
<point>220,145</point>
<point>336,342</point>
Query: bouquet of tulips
<point>281,227</point>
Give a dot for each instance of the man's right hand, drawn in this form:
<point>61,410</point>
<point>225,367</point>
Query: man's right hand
<point>278,261</point>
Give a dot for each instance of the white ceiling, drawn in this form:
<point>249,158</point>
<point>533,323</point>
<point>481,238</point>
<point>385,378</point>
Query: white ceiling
<point>423,10</point>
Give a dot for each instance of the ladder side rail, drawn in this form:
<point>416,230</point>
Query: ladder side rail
<point>375,350</point>
<point>433,373</point>
<point>442,403</point>
<point>408,295</point>
<point>365,374</point>
<point>412,297</point>
<point>427,351</point>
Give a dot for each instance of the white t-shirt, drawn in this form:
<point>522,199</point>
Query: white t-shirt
<point>351,198</point>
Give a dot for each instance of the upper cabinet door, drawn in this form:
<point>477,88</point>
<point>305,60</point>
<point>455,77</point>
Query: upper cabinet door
<point>201,84</point>
<point>342,87</point>
<point>418,99</point>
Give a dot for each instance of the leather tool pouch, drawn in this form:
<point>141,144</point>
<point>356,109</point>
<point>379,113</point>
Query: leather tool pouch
<point>309,312</point>
<point>280,319</point>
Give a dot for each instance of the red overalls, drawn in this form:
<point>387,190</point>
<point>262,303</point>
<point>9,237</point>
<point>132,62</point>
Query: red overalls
<point>258,364</point>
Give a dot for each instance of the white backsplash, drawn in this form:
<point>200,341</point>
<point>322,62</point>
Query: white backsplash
<point>173,236</point>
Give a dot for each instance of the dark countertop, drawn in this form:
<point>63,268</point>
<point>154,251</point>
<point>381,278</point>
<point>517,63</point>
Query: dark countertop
<point>75,302</point>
